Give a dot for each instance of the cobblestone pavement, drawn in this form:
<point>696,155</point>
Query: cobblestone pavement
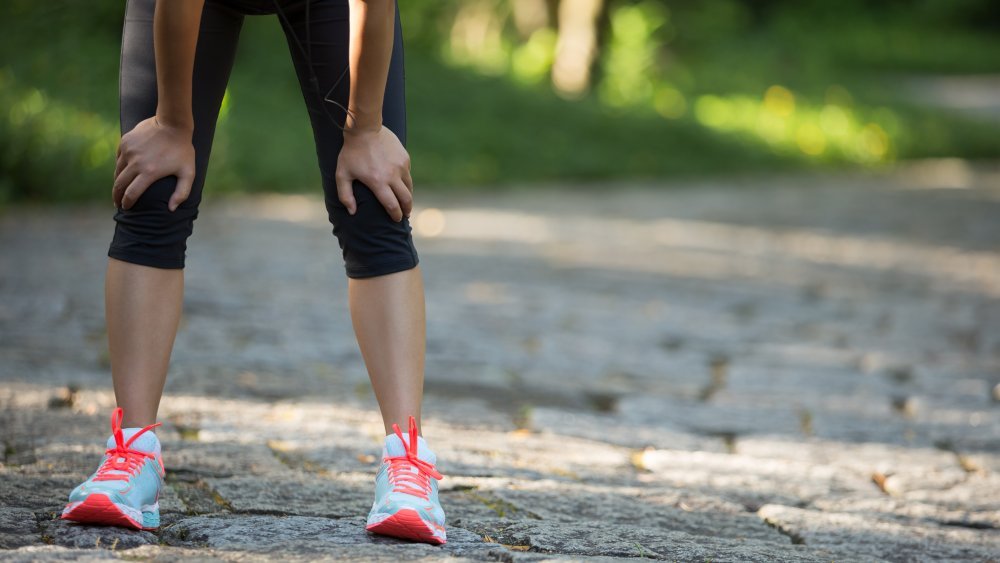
<point>800,369</point>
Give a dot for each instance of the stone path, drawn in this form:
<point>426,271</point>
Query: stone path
<point>800,369</point>
<point>974,95</point>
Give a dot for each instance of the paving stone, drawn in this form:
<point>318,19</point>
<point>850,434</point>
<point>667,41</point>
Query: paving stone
<point>981,461</point>
<point>751,481</point>
<point>854,535</point>
<point>862,458</point>
<point>917,474</point>
<point>63,458</point>
<point>613,430</point>
<point>35,492</point>
<point>344,457</point>
<point>526,454</point>
<point>713,418</point>
<point>976,492</point>
<point>18,526</point>
<point>526,556</point>
<point>570,504</point>
<point>50,430</point>
<point>300,494</point>
<point>466,505</point>
<point>146,552</point>
<point>72,534</point>
<point>29,554</point>
<point>324,537</point>
<point>604,539</point>
<point>907,511</point>
<point>186,459</point>
<point>670,361</point>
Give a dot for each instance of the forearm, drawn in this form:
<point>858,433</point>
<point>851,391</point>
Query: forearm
<point>175,38</point>
<point>372,31</point>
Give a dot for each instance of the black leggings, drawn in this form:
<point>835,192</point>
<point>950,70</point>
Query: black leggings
<point>150,234</point>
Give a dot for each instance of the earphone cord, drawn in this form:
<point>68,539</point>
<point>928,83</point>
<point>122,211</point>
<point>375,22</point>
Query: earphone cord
<point>307,56</point>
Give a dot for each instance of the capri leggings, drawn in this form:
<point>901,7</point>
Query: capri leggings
<point>150,234</point>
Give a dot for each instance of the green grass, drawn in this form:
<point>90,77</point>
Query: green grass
<point>464,129</point>
<point>467,130</point>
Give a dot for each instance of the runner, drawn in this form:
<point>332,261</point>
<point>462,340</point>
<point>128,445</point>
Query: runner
<point>175,64</point>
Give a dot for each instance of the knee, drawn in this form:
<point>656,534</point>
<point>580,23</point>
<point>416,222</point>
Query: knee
<point>372,243</point>
<point>149,233</point>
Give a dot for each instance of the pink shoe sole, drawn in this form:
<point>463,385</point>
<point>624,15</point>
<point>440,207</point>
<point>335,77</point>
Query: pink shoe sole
<point>406,524</point>
<point>98,509</point>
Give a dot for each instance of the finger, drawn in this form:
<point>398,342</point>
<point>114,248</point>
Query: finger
<point>119,164</point>
<point>181,192</point>
<point>387,198</point>
<point>345,193</point>
<point>403,196</point>
<point>408,180</point>
<point>135,189</point>
<point>122,182</point>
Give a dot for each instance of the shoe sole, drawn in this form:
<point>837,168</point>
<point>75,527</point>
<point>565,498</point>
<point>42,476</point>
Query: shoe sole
<point>99,509</point>
<point>406,524</point>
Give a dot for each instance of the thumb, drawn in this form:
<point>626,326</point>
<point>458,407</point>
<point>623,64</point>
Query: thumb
<point>181,192</point>
<point>345,192</point>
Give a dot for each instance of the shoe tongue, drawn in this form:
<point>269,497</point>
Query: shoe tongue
<point>396,447</point>
<point>148,442</point>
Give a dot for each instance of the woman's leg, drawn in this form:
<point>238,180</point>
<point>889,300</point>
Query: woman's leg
<point>388,316</point>
<point>144,287</point>
<point>385,287</point>
<point>143,308</point>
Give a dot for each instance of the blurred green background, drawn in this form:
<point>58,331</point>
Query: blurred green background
<point>515,92</point>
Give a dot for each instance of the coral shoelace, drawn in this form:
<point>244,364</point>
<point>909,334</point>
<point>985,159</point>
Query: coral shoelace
<point>122,460</point>
<point>408,473</point>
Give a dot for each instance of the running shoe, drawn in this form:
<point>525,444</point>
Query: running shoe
<point>125,489</point>
<point>406,491</point>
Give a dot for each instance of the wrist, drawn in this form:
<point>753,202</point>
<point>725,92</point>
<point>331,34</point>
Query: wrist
<point>181,125</point>
<point>358,122</point>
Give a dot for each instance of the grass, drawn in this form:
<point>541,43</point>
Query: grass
<point>467,129</point>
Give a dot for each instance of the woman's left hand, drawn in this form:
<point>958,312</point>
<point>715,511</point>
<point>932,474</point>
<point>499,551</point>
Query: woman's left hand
<point>378,159</point>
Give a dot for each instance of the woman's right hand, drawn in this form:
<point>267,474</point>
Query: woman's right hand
<point>149,152</point>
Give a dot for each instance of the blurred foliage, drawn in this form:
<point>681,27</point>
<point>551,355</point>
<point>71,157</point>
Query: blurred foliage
<point>669,88</point>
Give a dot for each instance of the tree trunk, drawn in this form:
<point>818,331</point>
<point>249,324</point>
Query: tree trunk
<point>576,47</point>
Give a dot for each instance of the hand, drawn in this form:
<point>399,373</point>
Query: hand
<point>150,151</point>
<point>378,159</point>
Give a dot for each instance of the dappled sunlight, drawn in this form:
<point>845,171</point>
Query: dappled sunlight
<point>672,246</point>
<point>485,225</point>
<point>541,91</point>
<point>289,208</point>
<point>429,222</point>
<point>757,358</point>
<point>638,69</point>
<point>310,457</point>
<point>738,363</point>
<point>708,249</point>
<point>630,60</point>
<point>945,173</point>
<point>786,124</point>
